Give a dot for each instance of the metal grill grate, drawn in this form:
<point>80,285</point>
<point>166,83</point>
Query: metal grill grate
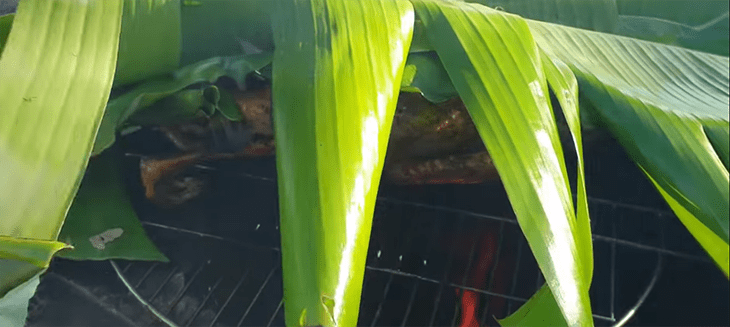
<point>419,260</point>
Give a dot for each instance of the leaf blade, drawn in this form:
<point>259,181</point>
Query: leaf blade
<point>143,54</point>
<point>482,50</point>
<point>144,95</point>
<point>56,71</point>
<point>14,304</point>
<point>655,99</point>
<point>102,204</point>
<point>77,69</point>
<point>713,244</point>
<point>336,73</point>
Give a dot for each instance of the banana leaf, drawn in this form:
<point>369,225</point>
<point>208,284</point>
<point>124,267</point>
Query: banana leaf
<point>150,40</point>
<point>336,73</point>
<point>713,244</point>
<point>179,107</point>
<point>101,223</point>
<point>497,69</point>
<point>148,93</point>
<point>596,15</point>
<point>14,305</point>
<point>6,22</point>
<point>710,37</point>
<point>220,28</point>
<point>35,165</point>
<point>540,310</point>
<point>719,135</point>
<point>687,12</point>
<point>702,78</point>
<point>141,54</point>
<point>56,71</point>
<point>682,23</point>
<point>655,100</point>
<point>619,86</point>
<point>187,105</point>
<point>429,77</point>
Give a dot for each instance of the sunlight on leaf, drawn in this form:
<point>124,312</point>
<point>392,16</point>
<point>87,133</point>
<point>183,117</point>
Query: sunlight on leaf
<point>714,245</point>
<point>56,71</point>
<point>655,99</point>
<point>336,74</point>
<point>496,67</point>
<point>65,97</point>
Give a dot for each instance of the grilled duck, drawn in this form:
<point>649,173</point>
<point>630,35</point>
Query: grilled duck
<point>429,144</point>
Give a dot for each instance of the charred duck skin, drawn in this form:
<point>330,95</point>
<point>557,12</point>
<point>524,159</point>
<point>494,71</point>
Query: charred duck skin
<point>429,144</point>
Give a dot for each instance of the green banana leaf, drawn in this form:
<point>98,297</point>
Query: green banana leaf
<point>630,86</point>
<point>596,15</point>
<point>56,71</point>
<point>187,105</point>
<point>713,244</point>
<point>710,37</point>
<point>14,305</point>
<point>540,310</point>
<point>40,172</point>
<point>220,28</point>
<point>150,40</point>
<point>336,74</point>
<point>35,165</point>
<point>122,108</point>
<point>688,12</point>
<point>565,87</point>
<point>429,77</point>
<point>719,135</point>
<point>682,23</point>
<point>182,106</point>
<point>141,54</point>
<point>655,100</point>
<point>21,259</point>
<point>6,22</point>
<point>496,67</point>
<point>701,77</point>
<point>102,209</point>
<point>686,23</point>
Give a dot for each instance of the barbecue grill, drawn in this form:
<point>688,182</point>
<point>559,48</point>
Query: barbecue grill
<point>225,268</point>
<point>225,257</point>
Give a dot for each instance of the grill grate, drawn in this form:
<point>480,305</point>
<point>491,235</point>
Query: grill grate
<point>419,262</point>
